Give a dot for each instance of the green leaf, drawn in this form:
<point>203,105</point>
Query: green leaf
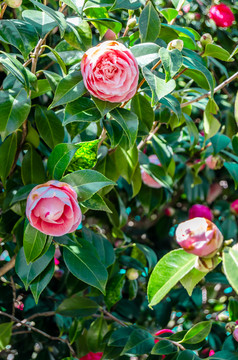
<point>70,88</point>
<point>236,108</point>
<point>149,254</point>
<point>96,332</point>
<point>230,264</point>
<point>211,124</point>
<point>58,58</point>
<point>220,142</point>
<point>28,272</point>
<point>5,334</point>
<point>163,347</point>
<point>233,309</point>
<point>19,34</point>
<point>42,22</point>
<point>114,290</point>
<point>104,23</point>
<point>7,155</point>
<point>82,262</point>
<point>78,33</point>
<point>96,203</point>
<point>76,5</point>
<point>158,174</point>
<point>198,333</point>
<point>85,156</point>
<point>187,355</point>
<point>14,107</point>
<point>169,13</point>
<point>167,273</point>
<point>162,150</point>
<point>145,113</point>
<point>119,337</point>
<point>33,243</point>
<point>149,23</point>
<point>190,280</point>
<point>55,15</point>
<point>140,342</point>
<point>87,182</point>
<point>81,110</point>
<point>232,168</point>
<point>49,126</point>
<point>77,305</point>
<point>42,280</point>
<point>159,87</point>
<point>60,158</point>
<point>217,52</point>
<point>128,121</point>
<point>32,170</point>
<point>126,4</point>
<point>173,104</point>
<point>192,130</point>
<point>104,106</point>
<point>196,68</point>
<point>171,61</point>
<point>145,53</point>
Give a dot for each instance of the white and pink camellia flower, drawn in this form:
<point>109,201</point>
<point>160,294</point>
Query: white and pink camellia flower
<point>110,72</point>
<point>198,210</point>
<point>52,208</point>
<point>146,178</point>
<point>199,236</point>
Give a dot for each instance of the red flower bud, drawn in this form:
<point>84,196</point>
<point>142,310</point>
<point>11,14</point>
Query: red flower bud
<point>198,210</point>
<point>222,15</point>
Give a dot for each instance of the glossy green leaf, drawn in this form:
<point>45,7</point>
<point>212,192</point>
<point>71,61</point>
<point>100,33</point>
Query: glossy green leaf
<point>60,158</point>
<point>190,280</point>
<point>78,33</point>
<point>198,333</point>
<point>219,142</point>
<point>77,305</point>
<point>171,61</point>
<point>96,332</point>
<point>169,13</point>
<point>42,22</point>
<point>76,5</point>
<point>33,243</point>
<point>70,88</point>
<point>232,168</point>
<point>142,108</point>
<point>167,273</point>
<point>42,280</point>
<point>32,170</point>
<point>82,262</point>
<point>49,126</point>
<point>163,347</point>
<point>58,58</point>
<point>7,155</point>
<point>149,23</point>
<point>81,110</point>
<point>119,337</point>
<point>87,182</point>
<point>5,334</point>
<point>230,264</point>
<point>145,53</point>
<point>104,106</point>
<point>197,67</point>
<point>187,355</point>
<point>28,272</point>
<point>128,121</point>
<point>217,52</point>
<point>162,150</point>
<point>20,34</point>
<point>211,124</point>
<point>96,203</point>
<point>140,342</point>
<point>126,4</point>
<point>114,290</point>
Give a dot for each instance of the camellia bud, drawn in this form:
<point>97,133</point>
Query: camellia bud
<point>198,210</point>
<point>205,265</point>
<point>214,162</point>
<point>235,334</point>
<point>131,23</point>
<point>206,39</point>
<point>175,44</point>
<point>169,211</point>
<point>230,327</point>
<point>200,237</point>
<point>222,15</point>
<point>234,207</point>
<point>13,3</point>
<point>110,35</point>
<point>132,274</point>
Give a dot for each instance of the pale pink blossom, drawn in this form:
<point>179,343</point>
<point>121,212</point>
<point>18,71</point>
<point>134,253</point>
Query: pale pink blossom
<point>146,178</point>
<point>199,236</point>
<point>52,208</point>
<point>110,72</point>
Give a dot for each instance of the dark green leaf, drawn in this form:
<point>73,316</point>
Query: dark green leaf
<point>163,347</point>
<point>32,170</point>
<point>33,243</point>
<point>145,53</point>
<point>5,334</point>
<point>128,121</point>
<point>232,168</point>
<point>230,264</point>
<point>7,155</point>
<point>142,108</point>
<point>42,22</point>
<point>82,110</point>
<point>77,305</point>
<point>140,342</point>
<point>96,332</point>
<point>171,61</point>
<point>149,23</point>
<point>42,280</point>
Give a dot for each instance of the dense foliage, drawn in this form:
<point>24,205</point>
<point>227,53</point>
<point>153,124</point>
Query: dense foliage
<point>130,168</point>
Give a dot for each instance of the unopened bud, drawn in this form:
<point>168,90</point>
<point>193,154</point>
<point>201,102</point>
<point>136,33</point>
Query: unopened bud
<point>230,326</point>
<point>169,211</point>
<point>131,23</point>
<point>235,334</point>
<point>222,316</point>
<point>206,265</point>
<point>110,35</point>
<point>175,44</point>
<point>214,162</point>
<point>206,39</point>
<point>132,274</point>
<point>13,3</point>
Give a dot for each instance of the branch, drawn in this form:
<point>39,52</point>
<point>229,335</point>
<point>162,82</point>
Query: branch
<point>14,295</point>
<point>154,130</point>
<point>8,266</point>
<point>47,313</point>
<point>3,10</point>
<point>113,317</point>
<point>26,324</point>
<point>219,87</point>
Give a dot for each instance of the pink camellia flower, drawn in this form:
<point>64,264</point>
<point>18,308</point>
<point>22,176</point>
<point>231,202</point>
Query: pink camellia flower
<point>222,15</point>
<point>146,178</point>
<point>234,207</point>
<point>110,35</point>
<point>110,72</point>
<point>235,334</point>
<point>53,209</point>
<point>199,236</point>
<point>160,332</point>
<point>198,210</point>
<point>92,356</point>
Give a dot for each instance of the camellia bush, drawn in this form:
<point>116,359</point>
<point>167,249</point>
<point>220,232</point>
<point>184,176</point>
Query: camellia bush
<point>119,174</point>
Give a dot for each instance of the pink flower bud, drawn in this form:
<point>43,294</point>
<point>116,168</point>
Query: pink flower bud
<point>214,162</point>
<point>146,178</point>
<point>186,8</point>
<point>52,208</point>
<point>198,210</point>
<point>163,331</point>
<point>211,352</point>
<point>199,236</point>
<point>222,15</point>
<point>169,211</point>
<point>234,207</point>
<point>235,334</point>
<point>110,35</point>
<point>215,190</point>
<point>197,16</point>
<point>56,261</point>
<point>92,356</point>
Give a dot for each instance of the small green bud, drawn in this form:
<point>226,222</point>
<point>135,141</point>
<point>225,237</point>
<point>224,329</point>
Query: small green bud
<point>132,274</point>
<point>206,39</point>
<point>230,326</point>
<point>206,265</point>
<point>131,23</point>
<point>175,44</point>
<point>13,3</point>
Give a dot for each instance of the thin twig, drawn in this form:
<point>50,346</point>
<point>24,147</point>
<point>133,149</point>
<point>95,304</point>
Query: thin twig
<point>26,324</point>
<point>153,131</point>
<point>14,295</point>
<point>102,137</point>
<point>8,266</point>
<point>219,87</point>
<point>47,313</point>
<point>3,10</point>
<point>113,317</point>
